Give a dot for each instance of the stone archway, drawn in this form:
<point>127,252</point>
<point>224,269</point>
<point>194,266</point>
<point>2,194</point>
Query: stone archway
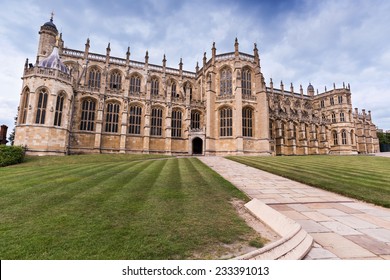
<point>197,146</point>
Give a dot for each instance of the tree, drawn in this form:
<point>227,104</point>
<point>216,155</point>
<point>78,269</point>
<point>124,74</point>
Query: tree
<point>11,137</point>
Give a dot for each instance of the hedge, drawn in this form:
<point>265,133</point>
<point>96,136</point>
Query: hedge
<point>11,155</point>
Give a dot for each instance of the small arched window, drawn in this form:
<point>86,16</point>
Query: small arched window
<point>333,117</point>
<point>247,122</point>
<point>226,122</point>
<point>94,78</point>
<point>154,87</point>
<point>246,82</point>
<point>343,137</point>
<point>322,103</point>
<point>226,82</point>
<point>135,84</point>
<point>323,118</point>
<point>135,115</point>
<point>41,107</point>
<point>88,107</point>
<point>195,120</point>
<point>173,89</point>
<point>156,122</point>
<point>112,117</point>
<point>176,123</point>
<point>25,101</point>
<point>115,80</point>
<point>340,99</point>
<point>342,118</point>
<point>335,140</point>
<point>58,111</point>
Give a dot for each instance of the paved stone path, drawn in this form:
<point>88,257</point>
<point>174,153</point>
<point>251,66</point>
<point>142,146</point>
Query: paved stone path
<point>342,228</point>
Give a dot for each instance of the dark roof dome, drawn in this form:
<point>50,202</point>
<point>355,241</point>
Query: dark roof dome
<point>51,24</point>
<point>53,61</point>
<point>310,87</point>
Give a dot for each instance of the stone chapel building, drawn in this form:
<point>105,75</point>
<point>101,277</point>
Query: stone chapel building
<point>75,101</point>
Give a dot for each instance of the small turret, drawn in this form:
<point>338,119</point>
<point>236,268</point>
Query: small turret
<point>47,39</point>
<point>310,90</point>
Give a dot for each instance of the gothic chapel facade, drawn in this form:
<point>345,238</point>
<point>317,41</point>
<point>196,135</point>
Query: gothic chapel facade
<point>76,102</point>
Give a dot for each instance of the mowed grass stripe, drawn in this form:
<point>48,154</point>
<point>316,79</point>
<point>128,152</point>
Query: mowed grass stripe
<point>42,197</point>
<point>362,177</point>
<point>46,180</point>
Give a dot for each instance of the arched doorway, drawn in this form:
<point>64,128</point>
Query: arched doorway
<point>197,146</point>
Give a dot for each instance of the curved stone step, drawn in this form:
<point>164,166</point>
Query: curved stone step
<point>294,244</point>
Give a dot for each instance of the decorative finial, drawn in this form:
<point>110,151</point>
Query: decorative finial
<point>52,15</point>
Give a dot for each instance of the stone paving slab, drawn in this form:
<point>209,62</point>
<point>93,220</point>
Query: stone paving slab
<point>354,222</point>
<point>320,254</point>
<point>380,234</point>
<point>341,227</point>
<point>341,246</point>
<point>312,226</point>
<point>375,246</point>
<point>318,217</point>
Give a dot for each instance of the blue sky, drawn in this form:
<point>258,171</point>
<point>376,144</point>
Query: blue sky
<point>300,41</point>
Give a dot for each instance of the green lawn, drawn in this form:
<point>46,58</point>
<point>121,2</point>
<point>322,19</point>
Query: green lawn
<point>363,177</point>
<point>116,207</point>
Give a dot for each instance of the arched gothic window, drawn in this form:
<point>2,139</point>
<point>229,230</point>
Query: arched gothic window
<point>342,118</point>
<point>58,111</point>
<point>154,87</point>
<point>226,82</point>
<point>94,78</point>
<point>246,82</point>
<point>112,117</point>
<point>135,84</point>
<point>226,122</point>
<point>343,137</point>
<point>173,89</point>
<point>176,123</point>
<point>23,115</point>
<point>195,120</point>
<point>41,107</point>
<point>333,117</point>
<point>335,140</point>
<point>352,137</point>
<point>115,80</point>
<point>135,115</point>
<point>88,107</point>
<point>156,122</point>
<point>247,122</point>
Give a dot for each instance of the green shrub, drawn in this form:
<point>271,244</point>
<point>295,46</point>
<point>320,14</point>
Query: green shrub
<point>11,155</point>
